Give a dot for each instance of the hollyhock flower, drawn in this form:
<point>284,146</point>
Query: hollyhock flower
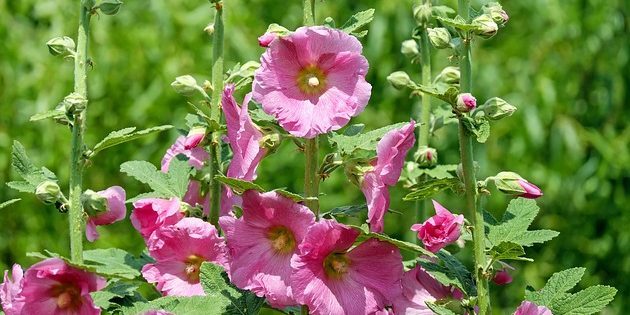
<point>419,287</point>
<point>196,156</point>
<point>529,308</point>
<point>53,287</point>
<point>263,241</point>
<point>114,211</point>
<point>179,250</point>
<point>265,39</point>
<point>312,80</point>
<point>466,102</point>
<point>195,137</point>
<point>331,278</point>
<point>151,213</point>
<point>390,156</point>
<point>440,229</point>
<point>502,277</point>
<point>10,291</point>
<point>531,191</point>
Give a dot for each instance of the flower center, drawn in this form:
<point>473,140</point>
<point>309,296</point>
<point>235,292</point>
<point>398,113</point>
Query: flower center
<point>68,296</point>
<point>282,239</point>
<point>193,264</point>
<point>336,265</point>
<point>311,80</point>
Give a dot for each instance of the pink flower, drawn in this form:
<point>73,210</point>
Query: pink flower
<point>466,102</point>
<point>262,243</point>
<point>531,190</point>
<point>331,278</point>
<point>312,80</point>
<point>114,212</point>
<point>194,198</point>
<point>502,277</point>
<point>151,213</point>
<point>440,229</point>
<point>419,287</point>
<point>390,156</point>
<point>11,291</point>
<point>53,287</point>
<point>196,156</point>
<point>529,308</point>
<point>195,137</point>
<point>179,251</point>
<point>265,39</point>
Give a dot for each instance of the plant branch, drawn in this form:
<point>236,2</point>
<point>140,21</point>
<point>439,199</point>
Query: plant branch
<point>215,114</point>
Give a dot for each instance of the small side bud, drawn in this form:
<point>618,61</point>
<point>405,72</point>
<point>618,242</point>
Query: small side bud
<point>61,46</point>
<point>209,29</point>
<point>449,75</point>
<point>409,48</point>
<point>74,103</point>
<point>195,137</point>
<point>110,7</point>
<point>485,26</point>
<point>496,12</point>
<point>399,80</point>
<point>496,108</point>
<point>439,37</point>
<point>502,277</point>
<point>48,192</point>
<point>185,85</point>
<point>513,184</point>
<point>93,202</point>
<point>466,102</point>
<point>426,157</point>
<point>355,171</point>
<point>422,13</point>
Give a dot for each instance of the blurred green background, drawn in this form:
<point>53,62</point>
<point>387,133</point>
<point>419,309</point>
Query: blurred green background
<point>563,63</point>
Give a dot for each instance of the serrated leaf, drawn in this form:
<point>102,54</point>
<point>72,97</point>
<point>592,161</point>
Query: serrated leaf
<point>358,21</point>
<point>353,130</point>
<point>293,196</point>
<point>124,135</point>
<point>114,289</point>
<point>238,185</point>
<point>431,187</point>
<point>439,310</point>
<point>588,301</point>
<point>402,245</point>
<point>54,114</point>
<point>172,184</point>
<point>9,202</point>
<point>193,305</point>
<point>479,127</point>
<point>440,171</point>
<point>508,251</point>
<point>26,169</point>
<point>447,94</point>
<point>346,211</point>
<point>458,23</point>
<point>214,281</point>
<point>557,285</point>
<point>346,145</point>
<point>452,272</point>
<point>114,262</point>
<point>513,227</point>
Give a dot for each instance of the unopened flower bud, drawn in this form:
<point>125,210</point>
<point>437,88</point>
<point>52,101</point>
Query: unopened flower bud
<point>466,102</point>
<point>485,26</point>
<point>496,12</point>
<point>439,37</point>
<point>399,79</point>
<point>422,13</point>
<point>74,103</point>
<point>426,157</point>
<point>265,39</point>
<point>48,192</point>
<point>502,277</point>
<point>449,75</point>
<point>195,137</point>
<point>61,46</point>
<point>513,184</point>
<point>409,48</point>
<point>110,7</point>
<point>93,202</point>
<point>185,85</point>
<point>496,108</point>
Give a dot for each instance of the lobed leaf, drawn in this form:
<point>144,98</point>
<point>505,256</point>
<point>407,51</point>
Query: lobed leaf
<point>27,170</point>
<point>513,227</point>
<point>508,251</point>
<point>431,187</point>
<point>588,301</point>
<point>347,145</point>
<point>453,272</point>
<point>556,287</point>
<point>172,184</point>
<point>9,202</point>
<point>358,21</point>
<point>124,135</point>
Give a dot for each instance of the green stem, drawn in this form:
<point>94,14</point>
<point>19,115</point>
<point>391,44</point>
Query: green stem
<point>309,12</point>
<point>75,212</point>
<point>466,152</point>
<point>215,114</point>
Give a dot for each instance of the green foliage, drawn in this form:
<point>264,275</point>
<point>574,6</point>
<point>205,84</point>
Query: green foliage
<point>171,184</point>
<point>346,211</point>
<point>9,202</point>
<point>32,175</point>
<point>431,187</point>
<point>402,245</point>
<point>439,310</point>
<point>114,290</point>
<point>347,145</point>
<point>555,296</point>
<point>513,228</point>
<point>450,271</point>
<point>125,135</point>
<point>240,186</point>
<point>480,127</point>
<point>458,23</point>
<point>508,251</point>
<point>357,21</point>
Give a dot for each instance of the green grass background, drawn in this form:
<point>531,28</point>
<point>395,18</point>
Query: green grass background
<point>563,63</point>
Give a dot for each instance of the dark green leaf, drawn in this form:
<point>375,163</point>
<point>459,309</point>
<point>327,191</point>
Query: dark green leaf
<point>516,220</point>
<point>125,135</point>
<point>238,185</point>
<point>431,187</point>
<point>508,251</point>
<point>452,272</point>
<point>346,211</point>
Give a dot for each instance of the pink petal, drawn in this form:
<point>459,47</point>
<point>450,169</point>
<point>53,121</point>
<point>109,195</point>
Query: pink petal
<point>377,197</point>
<point>391,151</point>
<point>196,156</point>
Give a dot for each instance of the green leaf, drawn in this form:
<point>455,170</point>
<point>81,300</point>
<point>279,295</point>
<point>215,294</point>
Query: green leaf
<point>238,185</point>
<point>556,287</point>
<point>439,171</point>
<point>22,186</point>
<point>172,184</point>
<point>9,202</point>
<point>588,301</point>
<point>346,211</point>
<point>215,282</point>
<point>354,130</point>
<point>439,310</point>
<point>452,272</point>
<point>458,23</point>
<point>508,251</point>
<point>431,187</point>
<point>113,262</point>
<point>346,145</point>
<point>513,227</point>
<point>358,21</point>
<point>54,114</point>
<point>402,245</point>
<point>293,196</point>
<point>194,305</point>
<point>125,135</point>
<point>114,289</point>
<point>447,94</point>
<point>27,170</point>
<point>480,127</point>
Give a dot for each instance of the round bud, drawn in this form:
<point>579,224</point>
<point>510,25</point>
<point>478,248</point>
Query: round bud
<point>449,75</point>
<point>426,157</point>
<point>409,48</point>
<point>422,13</point>
<point>485,26</point>
<point>61,46</point>
<point>185,85</point>
<point>466,102</point>
<point>48,192</point>
<point>439,37</point>
<point>496,12</point>
<point>399,80</point>
<point>110,7</point>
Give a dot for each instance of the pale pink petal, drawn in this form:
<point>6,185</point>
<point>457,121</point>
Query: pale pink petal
<point>377,197</point>
<point>11,291</point>
<point>529,308</point>
<point>391,151</point>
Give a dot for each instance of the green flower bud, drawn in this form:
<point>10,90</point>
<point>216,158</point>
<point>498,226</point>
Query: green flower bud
<point>449,75</point>
<point>496,108</point>
<point>399,80</point>
<point>61,46</point>
<point>439,37</point>
<point>508,183</point>
<point>74,103</point>
<point>496,12</point>
<point>422,13</point>
<point>426,157</point>
<point>48,192</point>
<point>110,7</point>
<point>185,85</point>
<point>93,203</point>
<point>409,48</point>
<point>485,26</point>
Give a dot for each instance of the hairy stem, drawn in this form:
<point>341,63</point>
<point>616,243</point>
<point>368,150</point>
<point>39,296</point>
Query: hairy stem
<point>75,212</point>
<point>215,114</point>
<point>466,152</point>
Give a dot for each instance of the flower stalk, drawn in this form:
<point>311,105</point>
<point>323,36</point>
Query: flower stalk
<point>215,114</point>
<point>467,160</point>
<point>75,212</point>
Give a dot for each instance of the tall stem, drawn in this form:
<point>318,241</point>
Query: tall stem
<point>215,113</point>
<point>466,152</point>
<point>75,212</point>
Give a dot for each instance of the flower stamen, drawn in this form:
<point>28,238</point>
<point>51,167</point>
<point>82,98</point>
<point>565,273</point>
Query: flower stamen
<point>282,239</point>
<point>336,265</point>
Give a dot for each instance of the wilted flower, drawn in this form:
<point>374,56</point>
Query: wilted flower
<point>151,213</point>
<point>331,278</point>
<point>312,80</point>
<point>11,291</point>
<point>529,308</point>
<point>419,287</point>
<point>466,102</point>
<point>439,230</point>
<point>269,231</point>
<point>196,156</point>
<point>114,211</point>
<point>179,250</point>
